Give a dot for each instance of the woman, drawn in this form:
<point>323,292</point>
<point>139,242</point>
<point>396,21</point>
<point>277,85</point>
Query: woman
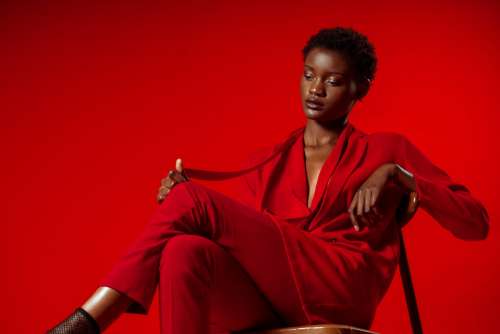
<point>314,238</point>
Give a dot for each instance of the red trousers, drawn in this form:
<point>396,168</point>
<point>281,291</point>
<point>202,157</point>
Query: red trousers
<point>220,266</point>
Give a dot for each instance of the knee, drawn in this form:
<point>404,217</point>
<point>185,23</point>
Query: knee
<point>185,254</point>
<point>180,194</point>
<point>188,201</point>
<point>180,206</point>
<point>188,194</point>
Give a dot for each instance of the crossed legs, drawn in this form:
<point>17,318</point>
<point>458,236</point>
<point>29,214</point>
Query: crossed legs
<point>204,289</point>
<point>218,264</point>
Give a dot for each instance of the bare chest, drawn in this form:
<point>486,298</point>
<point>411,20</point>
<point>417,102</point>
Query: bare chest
<point>314,159</point>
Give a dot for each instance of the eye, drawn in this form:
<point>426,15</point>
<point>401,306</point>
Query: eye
<point>308,76</point>
<point>332,82</point>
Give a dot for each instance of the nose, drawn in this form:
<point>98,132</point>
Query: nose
<point>317,88</point>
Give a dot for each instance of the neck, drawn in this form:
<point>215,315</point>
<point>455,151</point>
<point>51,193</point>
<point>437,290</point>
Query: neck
<point>319,134</point>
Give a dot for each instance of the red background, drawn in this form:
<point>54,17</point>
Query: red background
<point>98,100</point>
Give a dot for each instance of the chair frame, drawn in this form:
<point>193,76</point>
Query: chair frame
<point>404,265</point>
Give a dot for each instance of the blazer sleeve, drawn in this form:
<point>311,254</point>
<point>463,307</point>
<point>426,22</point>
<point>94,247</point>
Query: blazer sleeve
<point>450,203</point>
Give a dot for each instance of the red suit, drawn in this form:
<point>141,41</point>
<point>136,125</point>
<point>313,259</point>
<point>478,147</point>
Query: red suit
<point>294,265</point>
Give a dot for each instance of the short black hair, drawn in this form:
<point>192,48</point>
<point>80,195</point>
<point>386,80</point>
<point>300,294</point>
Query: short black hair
<point>356,47</point>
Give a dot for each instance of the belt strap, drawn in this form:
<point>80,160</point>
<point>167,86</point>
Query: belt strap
<point>203,174</point>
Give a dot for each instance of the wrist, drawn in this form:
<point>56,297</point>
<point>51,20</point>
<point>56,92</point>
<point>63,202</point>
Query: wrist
<point>393,170</point>
<point>403,177</point>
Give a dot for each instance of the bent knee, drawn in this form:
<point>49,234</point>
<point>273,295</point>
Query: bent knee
<point>185,251</point>
<point>186,194</point>
<point>180,206</point>
<point>181,192</point>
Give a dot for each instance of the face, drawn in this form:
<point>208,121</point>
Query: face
<point>328,88</point>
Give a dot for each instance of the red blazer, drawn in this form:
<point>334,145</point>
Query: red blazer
<point>342,275</point>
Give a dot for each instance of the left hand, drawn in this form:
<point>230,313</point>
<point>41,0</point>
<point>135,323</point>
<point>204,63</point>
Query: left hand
<point>362,208</point>
<point>173,177</point>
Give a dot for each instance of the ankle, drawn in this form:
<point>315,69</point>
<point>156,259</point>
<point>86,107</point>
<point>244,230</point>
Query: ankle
<point>79,322</point>
<point>91,320</point>
<point>106,305</point>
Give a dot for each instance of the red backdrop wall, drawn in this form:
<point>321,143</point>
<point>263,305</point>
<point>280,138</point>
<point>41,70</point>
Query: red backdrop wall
<point>98,100</point>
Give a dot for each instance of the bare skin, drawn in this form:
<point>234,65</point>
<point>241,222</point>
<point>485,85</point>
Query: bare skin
<point>329,90</point>
<point>328,93</point>
<point>315,158</point>
<point>105,305</point>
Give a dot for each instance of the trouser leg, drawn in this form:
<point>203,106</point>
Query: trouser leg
<point>203,286</point>
<point>248,235</point>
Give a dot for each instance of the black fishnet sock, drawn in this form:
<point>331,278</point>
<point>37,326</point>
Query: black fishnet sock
<point>80,322</point>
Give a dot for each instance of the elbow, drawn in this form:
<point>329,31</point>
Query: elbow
<point>473,235</point>
<point>478,229</point>
<point>482,232</point>
<point>486,232</point>
<point>484,226</point>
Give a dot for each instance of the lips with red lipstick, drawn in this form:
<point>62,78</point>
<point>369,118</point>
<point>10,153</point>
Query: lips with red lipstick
<point>314,104</point>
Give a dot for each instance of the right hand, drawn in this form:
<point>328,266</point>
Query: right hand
<point>173,177</point>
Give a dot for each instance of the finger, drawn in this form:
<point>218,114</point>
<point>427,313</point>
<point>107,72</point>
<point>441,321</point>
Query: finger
<point>163,191</point>
<point>170,180</point>
<point>170,176</point>
<point>361,198</point>
<point>174,176</point>
<point>351,210</point>
<point>178,165</point>
<point>167,182</point>
<point>180,169</point>
<point>161,196</point>
<point>177,177</point>
<point>353,202</point>
<point>368,198</point>
<point>375,193</point>
<point>354,221</point>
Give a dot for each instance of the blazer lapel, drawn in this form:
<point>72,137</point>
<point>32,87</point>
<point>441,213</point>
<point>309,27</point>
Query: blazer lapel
<point>330,165</point>
<point>351,155</point>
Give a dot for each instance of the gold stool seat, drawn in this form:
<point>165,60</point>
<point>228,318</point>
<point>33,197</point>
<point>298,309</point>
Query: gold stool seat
<point>314,329</point>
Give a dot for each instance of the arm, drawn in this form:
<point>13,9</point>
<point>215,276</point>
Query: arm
<point>451,204</point>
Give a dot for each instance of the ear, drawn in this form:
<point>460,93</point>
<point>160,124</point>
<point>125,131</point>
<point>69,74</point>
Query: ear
<point>362,88</point>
